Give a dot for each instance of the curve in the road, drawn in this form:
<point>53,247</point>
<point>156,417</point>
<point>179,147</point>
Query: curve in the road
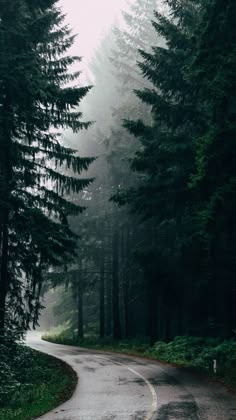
<point>153,392</point>
<point>119,387</point>
<point>153,410</point>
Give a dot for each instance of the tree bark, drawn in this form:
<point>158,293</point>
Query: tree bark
<point>115,286</point>
<point>126,282</point>
<point>102,297</point>
<point>80,303</point>
<point>6,175</point>
<point>3,271</point>
<point>152,310</point>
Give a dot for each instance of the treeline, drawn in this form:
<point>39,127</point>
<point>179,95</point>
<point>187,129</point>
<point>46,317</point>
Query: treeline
<point>162,263</point>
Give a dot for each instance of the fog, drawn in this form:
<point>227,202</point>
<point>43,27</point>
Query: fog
<point>109,44</point>
<point>90,20</point>
<point>117,182</point>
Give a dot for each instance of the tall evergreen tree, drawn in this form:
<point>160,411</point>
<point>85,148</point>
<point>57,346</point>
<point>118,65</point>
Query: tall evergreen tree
<point>38,96</point>
<point>165,158</point>
<point>213,75</point>
<point>136,33</point>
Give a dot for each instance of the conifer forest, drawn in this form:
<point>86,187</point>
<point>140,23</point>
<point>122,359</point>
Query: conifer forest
<point>118,189</point>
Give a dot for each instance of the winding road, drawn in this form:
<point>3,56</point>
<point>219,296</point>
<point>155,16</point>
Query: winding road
<point>118,387</point>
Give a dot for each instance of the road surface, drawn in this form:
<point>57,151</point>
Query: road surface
<point>119,387</point>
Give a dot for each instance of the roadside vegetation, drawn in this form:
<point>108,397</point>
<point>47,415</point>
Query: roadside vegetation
<point>31,383</point>
<point>195,353</point>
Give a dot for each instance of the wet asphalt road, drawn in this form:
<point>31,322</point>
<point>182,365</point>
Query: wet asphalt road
<point>117,387</point>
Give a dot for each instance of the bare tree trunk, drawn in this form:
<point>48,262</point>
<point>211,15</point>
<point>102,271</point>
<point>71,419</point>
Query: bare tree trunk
<point>230,284</point>
<point>115,286</point>
<point>126,282</point>
<point>3,271</point>
<point>102,297</point>
<point>5,174</point>
<point>80,302</point>
<point>126,309</point>
<point>153,293</point>
<point>107,255</point>
<point>108,317</point>
<point>152,309</point>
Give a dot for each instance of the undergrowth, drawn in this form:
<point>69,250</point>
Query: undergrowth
<point>199,353</point>
<point>196,353</point>
<point>31,383</point>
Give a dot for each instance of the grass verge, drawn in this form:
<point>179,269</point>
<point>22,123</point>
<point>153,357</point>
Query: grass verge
<point>195,353</point>
<point>32,383</point>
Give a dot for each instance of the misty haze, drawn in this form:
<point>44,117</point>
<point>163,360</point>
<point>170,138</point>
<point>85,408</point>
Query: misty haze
<point>117,210</point>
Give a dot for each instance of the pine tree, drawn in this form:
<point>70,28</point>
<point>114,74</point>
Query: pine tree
<point>136,33</point>
<point>214,181</point>
<point>38,96</point>
<point>165,158</point>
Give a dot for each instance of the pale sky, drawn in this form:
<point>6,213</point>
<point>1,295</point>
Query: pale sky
<point>90,19</point>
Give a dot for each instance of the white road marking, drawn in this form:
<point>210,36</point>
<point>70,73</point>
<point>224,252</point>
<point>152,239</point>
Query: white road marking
<point>151,388</point>
<point>153,392</point>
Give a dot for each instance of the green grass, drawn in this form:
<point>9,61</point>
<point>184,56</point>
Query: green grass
<point>195,353</point>
<point>31,383</point>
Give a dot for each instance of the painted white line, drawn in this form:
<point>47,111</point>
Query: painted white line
<point>151,388</point>
<point>153,392</point>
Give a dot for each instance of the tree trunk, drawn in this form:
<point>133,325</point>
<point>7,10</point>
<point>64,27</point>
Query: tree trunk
<point>126,310</point>
<point>5,176</point>
<point>230,284</point>
<point>180,309</point>
<point>167,324</point>
<point>80,303</point>
<point>115,286</point>
<point>3,271</point>
<point>153,291</point>
<point>152,310</point>
<point>108,306</point>
<point>126,283</point>
<point>102,298</point>
<point>107,254</point>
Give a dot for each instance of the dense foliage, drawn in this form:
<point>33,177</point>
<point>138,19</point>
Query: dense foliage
<point>31,383</point>
<point>199,353</point>
<point>191,260</point>
<point>213,181</point>
<point>38,96</point>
